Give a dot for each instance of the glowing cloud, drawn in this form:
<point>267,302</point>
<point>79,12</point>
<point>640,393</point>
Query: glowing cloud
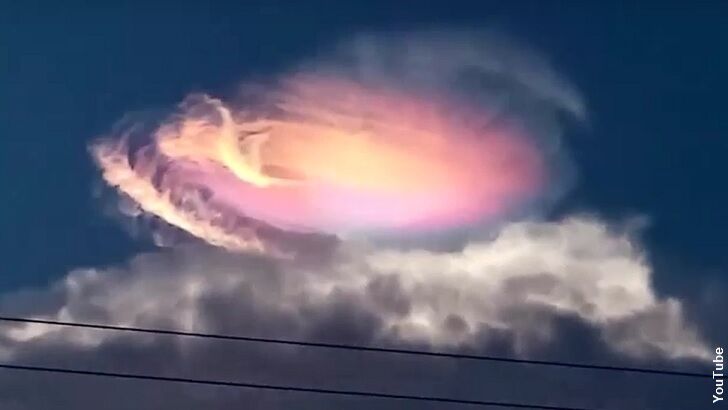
<point>332,155</point>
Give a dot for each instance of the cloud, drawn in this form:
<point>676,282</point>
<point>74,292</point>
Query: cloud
<point>574,289</point>
<point>404,134</point>
<point>516,293</point>
<point>516,84</point>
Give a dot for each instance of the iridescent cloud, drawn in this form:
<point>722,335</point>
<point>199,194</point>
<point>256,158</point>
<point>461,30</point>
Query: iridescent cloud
<point>332,156</point>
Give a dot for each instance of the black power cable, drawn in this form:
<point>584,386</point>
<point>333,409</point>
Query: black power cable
<point>297,389</point>
<point>358,347</point>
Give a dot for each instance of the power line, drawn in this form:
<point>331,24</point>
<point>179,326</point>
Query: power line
<point>297,389</point>
<point>358,347</point>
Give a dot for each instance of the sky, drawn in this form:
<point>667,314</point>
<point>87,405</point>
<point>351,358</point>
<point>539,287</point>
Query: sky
<point>642,208</point>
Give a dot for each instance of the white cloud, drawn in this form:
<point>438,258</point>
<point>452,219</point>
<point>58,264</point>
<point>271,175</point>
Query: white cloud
<point>522,292</point>
<point>519,282</point>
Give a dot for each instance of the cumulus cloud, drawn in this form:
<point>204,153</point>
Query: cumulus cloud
<point>531,270</point>
<point>512,294</point>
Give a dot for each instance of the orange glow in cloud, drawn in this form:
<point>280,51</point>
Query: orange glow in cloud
<point>333,156</point>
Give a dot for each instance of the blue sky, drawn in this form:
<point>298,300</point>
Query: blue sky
<point>653,78</point>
